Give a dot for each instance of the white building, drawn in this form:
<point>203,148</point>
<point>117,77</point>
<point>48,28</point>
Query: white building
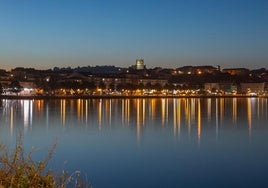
<point>252,88</point>
<point>140,64</point>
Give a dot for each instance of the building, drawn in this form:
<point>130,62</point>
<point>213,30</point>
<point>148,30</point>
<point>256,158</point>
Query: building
<point>140,64</point>
<point>252,88</point>
<point>211,86</point>
<point>237,71</point>
<point>196,70</point>
<point>224,88</point>
<point>161,82</point>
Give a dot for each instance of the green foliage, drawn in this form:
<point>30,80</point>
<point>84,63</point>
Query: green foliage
<point>19,170</point>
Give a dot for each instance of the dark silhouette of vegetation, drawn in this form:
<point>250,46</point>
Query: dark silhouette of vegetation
<point>102,85</point>
<point>15,86</point>
<point>18,169</point>
<point>1,89</point>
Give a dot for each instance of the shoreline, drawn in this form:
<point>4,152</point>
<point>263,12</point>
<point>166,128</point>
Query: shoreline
<point>14,97</point>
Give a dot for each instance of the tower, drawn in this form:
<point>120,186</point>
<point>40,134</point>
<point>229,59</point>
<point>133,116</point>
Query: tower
<point>140,64</point>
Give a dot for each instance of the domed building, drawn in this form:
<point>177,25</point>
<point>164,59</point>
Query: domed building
<point>140,64</point>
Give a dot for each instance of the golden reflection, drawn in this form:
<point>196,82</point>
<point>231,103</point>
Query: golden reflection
<point>143,112</point>
<point>100,113</point>
<point>221,109</point>
<point>234,110</point>
<point>209,109</point>
<point>63,111</point>
<point>163,108</point>
<point>86,112</point>
<point>217,117</point>
<point>125,111</point>
<point>249,116</point>
<point>176,116</point>
<point>138,120</point>
<point>11,120</point>
<point>187,111</point>
<point>153,109</point>
<point>167,105</point>
<point>82,109</point>
<point>110,112</point>
<point>47,115</point>
<point>199,121</point>
<point>78,109</point>
<point>128,111</point>
<point>106,109</point>
<point>258,108</point>
<point>192,109</point>
<point>179,116</point>
<point>39,105</point>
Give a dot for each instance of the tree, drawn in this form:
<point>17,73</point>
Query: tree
<point>102,85</point>
<point>148,86</point>
<point>112,86</point>
<point>15,87</point>
<point>157,87</point>
<point>141,86</point>
<point>169,86</point>
<point>1,89</point>
<point>89,85</point>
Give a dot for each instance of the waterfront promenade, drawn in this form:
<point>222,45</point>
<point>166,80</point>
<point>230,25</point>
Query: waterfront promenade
<point>126,96</point>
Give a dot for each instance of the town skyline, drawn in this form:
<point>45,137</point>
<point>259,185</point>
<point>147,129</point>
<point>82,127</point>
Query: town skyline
<point>129,66</point>
<point>136,80</point>
<point>166,34</point>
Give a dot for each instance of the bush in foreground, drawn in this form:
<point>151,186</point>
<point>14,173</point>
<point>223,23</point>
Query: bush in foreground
<point>19,170</point>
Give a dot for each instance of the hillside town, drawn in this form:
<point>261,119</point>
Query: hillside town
<point>135,80</point>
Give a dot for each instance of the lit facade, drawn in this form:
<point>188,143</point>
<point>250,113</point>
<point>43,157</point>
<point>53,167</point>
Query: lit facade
<point>140,64</point>
<point>248,88</point>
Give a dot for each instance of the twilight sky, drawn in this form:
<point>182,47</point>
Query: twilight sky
<point>167,33</point>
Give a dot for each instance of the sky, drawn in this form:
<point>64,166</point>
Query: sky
<point>44,34</point>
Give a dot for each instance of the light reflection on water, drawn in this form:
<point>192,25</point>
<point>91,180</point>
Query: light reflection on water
<point>163,133</point>
<point>183,113</point>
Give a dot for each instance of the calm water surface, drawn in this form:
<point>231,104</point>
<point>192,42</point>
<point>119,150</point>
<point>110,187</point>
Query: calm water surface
<point>219,142</point>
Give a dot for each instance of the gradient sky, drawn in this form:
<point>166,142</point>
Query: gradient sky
<point>166,33</point>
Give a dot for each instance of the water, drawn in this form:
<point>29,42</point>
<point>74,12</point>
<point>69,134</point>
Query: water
<point>191,142</point>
